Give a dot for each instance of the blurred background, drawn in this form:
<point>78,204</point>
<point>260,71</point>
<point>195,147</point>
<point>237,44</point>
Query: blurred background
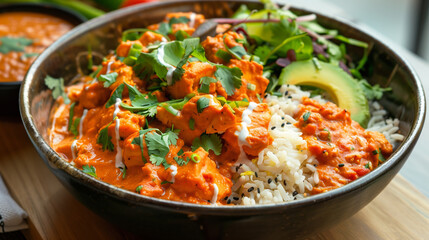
<point>404,22</point>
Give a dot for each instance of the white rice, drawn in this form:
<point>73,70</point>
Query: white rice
<point>285,170</point>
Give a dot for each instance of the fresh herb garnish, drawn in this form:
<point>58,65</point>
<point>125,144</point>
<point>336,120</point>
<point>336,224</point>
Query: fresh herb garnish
<point>205,84</point>
<point>230,78</point>
<point>108,79</point>
<point>202,103</point>
<point>74,128</point>
<point>368,165</point>
<point>208,142</point>
<point>116,94</point>
<point>165,182</point>
<point>372,92</point>
<point>380,156</point>
<point>57,87</point>
<point>14,44</point>
<point>191,124</point>
<point>195,158</point>
<point>90,170</point>
<point>124,171</point>
<point>158,144</point>
<point>71,115</point>
<point>329,133</point>
<point>182,160</point>
<point>224,55</point>
<point>139,188</point>
<point>104,139</point>
<point>306,116</point>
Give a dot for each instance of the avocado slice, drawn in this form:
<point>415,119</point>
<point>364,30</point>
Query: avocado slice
<point>344,90</point>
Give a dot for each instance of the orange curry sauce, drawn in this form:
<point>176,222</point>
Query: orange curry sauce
<point>344,149</point>
<point>41,29</point>
<point>207,180</point>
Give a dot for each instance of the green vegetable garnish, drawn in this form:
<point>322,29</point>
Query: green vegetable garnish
<point>105,139</point>
<point>90,170</point>
<point>306,116</point>
<point>14,44</point>
<point>108,79</point>
<point>208,142</point>
<point>202,103</point>
<point>57,87</point>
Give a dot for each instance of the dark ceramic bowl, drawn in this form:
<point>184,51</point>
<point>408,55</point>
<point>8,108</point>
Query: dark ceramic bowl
<point>9,91</point>
<point>163,219</point>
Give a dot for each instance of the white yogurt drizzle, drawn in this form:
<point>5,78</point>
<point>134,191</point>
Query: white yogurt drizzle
<point>57,115</point>
<point>192,20</point>
<point>170,68</point>
<point>73,149</point>
<point>108,67</point>
<point>215,193</point>
<point>244,133</point>
<point>117,103</point>
<point>245,122</point>
<point>173,172</point>
<point>85,111</point>
<point>118,157</point>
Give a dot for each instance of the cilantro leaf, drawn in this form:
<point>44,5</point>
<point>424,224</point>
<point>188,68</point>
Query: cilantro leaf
<point>173,52</point>
<point>139,141</point>
<point>175,20</point>
<point>108,79</point>
<point>90,170</point>
<point>224,55</point>
<point>104,139</point>
<point>202,103</point>
<point>14,44</point>
<point>164,28</point>
<point>237,51</point>
<point>57,87</point>
<point>182,160</point>
<point>230,78</point>
<point>133,92</point>
<point>116,94</point>
<point>74,128</point>
<point>372,92</point>
<point>191,124</point>
<point>181,35</point>
<point>200,54</point>
<point>189,46</point>
<point>306,116</point>
<point>148,64</point>
<point>71,115</point>
<point>158,146</point>
<point>205,84</point>
<point>208,142</point>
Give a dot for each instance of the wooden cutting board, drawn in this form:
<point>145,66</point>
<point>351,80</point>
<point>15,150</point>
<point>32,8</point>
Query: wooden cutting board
<point>399,212</point>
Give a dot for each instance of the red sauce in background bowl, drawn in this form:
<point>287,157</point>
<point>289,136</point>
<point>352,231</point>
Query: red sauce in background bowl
<point>23,36</point>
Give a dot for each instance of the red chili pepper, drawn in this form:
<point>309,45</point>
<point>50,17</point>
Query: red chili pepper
<point>128,3</point>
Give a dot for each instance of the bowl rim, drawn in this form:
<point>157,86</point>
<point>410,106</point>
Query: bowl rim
<point>44,8</point>
<point>54,159</point>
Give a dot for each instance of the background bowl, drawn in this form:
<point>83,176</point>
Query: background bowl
<point>160,218</point>
<point>9,91</point>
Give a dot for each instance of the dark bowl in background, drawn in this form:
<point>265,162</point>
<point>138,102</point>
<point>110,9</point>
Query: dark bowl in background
<point>9,91</point>
<point>163,219</point>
